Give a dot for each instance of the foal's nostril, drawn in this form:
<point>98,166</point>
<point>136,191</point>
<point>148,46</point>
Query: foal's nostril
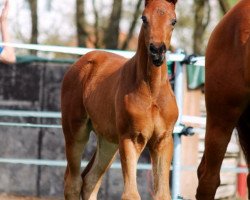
<point>163,48</point>
<point>153,48</point>
<point>157,48</point>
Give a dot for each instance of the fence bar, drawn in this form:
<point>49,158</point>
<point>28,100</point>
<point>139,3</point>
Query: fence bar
<point>23,113</point>
<point>116,165</point>
<point>194,120</point>
<point>62,163</point>
<point>81,51</point>
<point>57,115</point>
<point>177,129</point>
<point>198,61</point>
<point>28,125</point>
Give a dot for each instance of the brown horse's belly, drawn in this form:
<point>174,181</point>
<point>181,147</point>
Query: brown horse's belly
<point>106,130</point>
<point>101,112</point>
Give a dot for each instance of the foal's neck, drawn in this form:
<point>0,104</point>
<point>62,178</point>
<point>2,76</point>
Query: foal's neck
<point>146,72</point>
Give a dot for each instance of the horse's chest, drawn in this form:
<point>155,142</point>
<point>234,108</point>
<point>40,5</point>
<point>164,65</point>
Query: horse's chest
<point>146,115</point>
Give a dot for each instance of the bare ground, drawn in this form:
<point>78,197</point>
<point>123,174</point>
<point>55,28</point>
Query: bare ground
<point>13,197</point>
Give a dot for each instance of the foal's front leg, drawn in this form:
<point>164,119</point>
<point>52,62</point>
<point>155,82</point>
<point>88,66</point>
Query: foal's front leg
<point>161,151</point>
<point>130,150</point>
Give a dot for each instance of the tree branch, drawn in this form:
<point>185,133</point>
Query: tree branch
<point>224,4</point>
<point>133,25</point>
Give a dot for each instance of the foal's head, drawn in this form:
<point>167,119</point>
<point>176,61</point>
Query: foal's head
<point>158,20</point>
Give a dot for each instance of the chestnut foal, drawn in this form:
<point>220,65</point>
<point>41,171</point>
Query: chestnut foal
<point>227,92</point>
<point>128,103</point>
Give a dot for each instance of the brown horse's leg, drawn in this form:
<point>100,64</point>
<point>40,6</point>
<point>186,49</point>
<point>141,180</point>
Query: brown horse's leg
<point>103,158</point>
<point>73,182</point>
<point>161,152</point>
<point>243,128</point>
<point>74,149</point>
<point>218,134</point>
<point>76,130</point>
<point>130,150</point>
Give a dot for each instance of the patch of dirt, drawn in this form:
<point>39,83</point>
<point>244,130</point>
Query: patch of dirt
<point>14,197</point>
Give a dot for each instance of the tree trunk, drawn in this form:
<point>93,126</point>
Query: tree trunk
<point>81,24</point>
<point>96,26</point>
<point>202,17</point>
<point>133,25</point>
<point>112,32</point>
<point>224,5</point>
<point>34,22</point>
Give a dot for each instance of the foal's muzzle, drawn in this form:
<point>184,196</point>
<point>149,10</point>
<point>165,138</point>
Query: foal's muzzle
<point>157,53</point>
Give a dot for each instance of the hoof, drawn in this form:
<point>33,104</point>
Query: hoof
<point>131,197</point>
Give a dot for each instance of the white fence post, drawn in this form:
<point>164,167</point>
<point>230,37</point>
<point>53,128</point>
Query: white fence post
<point>178,88</point>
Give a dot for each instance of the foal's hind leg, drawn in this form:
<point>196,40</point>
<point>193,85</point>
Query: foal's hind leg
<point>243,128</point>
<point>75,142</point>
<point>93,173</point>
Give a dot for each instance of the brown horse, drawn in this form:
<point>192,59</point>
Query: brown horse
<point>227,92</point>
<point>128,103</point>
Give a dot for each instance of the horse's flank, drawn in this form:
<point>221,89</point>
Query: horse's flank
<point>97,83</point>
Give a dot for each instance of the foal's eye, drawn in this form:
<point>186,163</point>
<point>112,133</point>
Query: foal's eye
<point>144,19</point>
<point>173,22</point>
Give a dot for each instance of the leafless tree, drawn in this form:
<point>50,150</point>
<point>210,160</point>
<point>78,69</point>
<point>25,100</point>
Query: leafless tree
<point>81,24</point>
<point>224,5</point>
<point>34,22</point>
<point>96,26</point>
<point>201,21</point>
<point>133,25</point>
<point>111,36</point>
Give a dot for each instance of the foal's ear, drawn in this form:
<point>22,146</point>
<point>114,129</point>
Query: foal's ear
<point>172,1</point>
<point>146,2</point>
